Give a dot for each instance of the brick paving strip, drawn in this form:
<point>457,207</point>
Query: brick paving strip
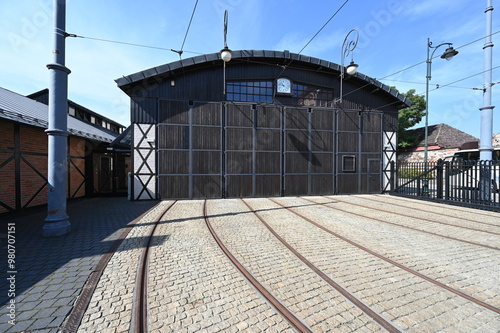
<point>53,271</point>
<point>76,315</point>
<point>110,308</point>
<point>405,299</point>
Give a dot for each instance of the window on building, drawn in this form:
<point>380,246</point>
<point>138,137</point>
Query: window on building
<point>92,119</point>
<point>348,163</point>
<point>72,111</point>
<point>305,95</point>
<point>250,91</point>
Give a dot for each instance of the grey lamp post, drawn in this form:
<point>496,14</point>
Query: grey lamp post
<point>57,222</point>
<point>347,48</point>
<point>225,53</point>
<point>448,54</point>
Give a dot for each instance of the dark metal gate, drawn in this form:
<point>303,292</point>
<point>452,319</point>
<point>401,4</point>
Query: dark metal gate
<point>210,150</point>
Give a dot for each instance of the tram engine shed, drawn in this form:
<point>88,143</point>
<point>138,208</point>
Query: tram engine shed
<point>268,123</point>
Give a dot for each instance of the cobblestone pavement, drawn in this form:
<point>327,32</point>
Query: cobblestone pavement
<point>407,300</point>
<point>52,271</point>
<point>192,286</point>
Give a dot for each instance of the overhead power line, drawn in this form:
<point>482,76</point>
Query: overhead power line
<point>130,44</point>
<point>324,25</point>
<point>187,30</point>
<point>315,35</point>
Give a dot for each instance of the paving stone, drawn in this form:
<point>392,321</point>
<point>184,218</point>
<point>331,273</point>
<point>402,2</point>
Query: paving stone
<point>193,287</point>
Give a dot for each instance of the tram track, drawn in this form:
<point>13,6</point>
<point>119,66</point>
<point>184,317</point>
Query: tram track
<point>294,320</point>
<point>139,323</point>
<point>420,218</point>
<point>397,224</point>
<point>405,268</point>
<point>387,325</point>
<point>441,206</point>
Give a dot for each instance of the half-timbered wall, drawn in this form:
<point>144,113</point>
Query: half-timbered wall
<point>23,166</point>
<point>213,150</point>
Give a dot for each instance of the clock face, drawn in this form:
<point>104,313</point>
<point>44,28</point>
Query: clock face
<point>283,86</point>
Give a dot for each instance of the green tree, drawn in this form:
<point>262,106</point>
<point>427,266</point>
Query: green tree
<point>409,117</point>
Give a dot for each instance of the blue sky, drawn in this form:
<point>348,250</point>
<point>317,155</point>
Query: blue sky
<point>393,36</point>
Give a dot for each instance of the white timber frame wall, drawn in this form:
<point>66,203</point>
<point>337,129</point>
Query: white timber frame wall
<point>389,155</point>
<point>144,162</point>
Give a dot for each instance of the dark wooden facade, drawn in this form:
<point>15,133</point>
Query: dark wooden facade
<point>192,141</point>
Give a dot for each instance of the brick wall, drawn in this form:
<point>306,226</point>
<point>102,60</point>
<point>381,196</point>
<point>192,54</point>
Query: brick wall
<point>7,181</point>
<point>432,155</point>
<point>32,164</point>
<point>76,163</point>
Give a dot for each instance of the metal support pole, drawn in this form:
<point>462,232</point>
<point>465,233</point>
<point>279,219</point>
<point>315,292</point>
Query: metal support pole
<point>57,221</point>
<point>426,134</point>
<point>486,142</point>
<point>448,54</point>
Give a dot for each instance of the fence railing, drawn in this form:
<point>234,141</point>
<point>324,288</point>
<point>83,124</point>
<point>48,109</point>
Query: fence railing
<point>468,183</point>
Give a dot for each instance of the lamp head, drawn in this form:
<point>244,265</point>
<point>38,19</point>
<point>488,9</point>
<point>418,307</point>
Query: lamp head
<point>226,54</point>
<point>352,68</point>
<point>449,53</point>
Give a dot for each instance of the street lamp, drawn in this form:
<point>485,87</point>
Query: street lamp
<point>448,54</point>
<point>225,54</point>
<point>347,48</point>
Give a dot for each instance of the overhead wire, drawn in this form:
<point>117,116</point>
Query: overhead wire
<point>422,62</point>
<point>315,35</point>
<point>187,30</point>
<point>126,43</point>
<point>446,85</point>
<point>284,67</point>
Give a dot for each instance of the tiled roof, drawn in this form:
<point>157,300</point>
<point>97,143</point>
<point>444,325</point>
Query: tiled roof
<point>444,136</point>
<point>24,110</point>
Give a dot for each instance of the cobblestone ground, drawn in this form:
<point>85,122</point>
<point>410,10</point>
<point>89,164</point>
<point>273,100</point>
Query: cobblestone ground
<point>110,308</point>
<point>469,268</point>
<point>194,288</point>
<point>51,272</point>
<point>286,277</point>
<point>407,300</point>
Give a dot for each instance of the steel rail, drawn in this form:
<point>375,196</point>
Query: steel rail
<point>82,303</point>
<point>409,270</point>
<point>436,213</point>
<point>413,217</point>
<point>283,310</point>
<point>386,324</point>
<point>403,226</point>
<point>140,312</point>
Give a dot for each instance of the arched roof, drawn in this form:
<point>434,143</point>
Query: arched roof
<point>284,57</point>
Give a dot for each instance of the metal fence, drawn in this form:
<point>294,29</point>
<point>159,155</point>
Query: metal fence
<point>468,183</point>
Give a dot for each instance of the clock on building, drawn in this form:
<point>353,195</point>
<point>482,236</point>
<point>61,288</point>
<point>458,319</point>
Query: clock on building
<point>283,86</point>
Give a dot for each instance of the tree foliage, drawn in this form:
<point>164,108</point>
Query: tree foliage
<point>409,117</point>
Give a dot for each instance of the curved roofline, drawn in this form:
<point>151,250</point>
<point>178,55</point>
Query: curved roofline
<point>246,54</point>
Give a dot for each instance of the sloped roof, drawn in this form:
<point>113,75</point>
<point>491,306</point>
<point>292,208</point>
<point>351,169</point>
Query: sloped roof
<point>44,95</point>
<point>24,110</point>
<point>443,135</point>
<point>274,56</point>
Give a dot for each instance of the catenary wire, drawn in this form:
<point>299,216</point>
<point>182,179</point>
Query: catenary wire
<point>187,30</point>
<point>130,44</point>
<point>315,35</point>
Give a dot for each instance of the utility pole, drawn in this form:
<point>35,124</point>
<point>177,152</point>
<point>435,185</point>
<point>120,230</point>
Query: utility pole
<point>486,136</point>
<point>57,221</point>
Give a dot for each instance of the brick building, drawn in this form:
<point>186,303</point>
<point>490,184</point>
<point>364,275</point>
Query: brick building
<point>92,167</point>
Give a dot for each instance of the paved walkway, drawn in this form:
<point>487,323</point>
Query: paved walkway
<point>52,271</point>
<point>193,288</point>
